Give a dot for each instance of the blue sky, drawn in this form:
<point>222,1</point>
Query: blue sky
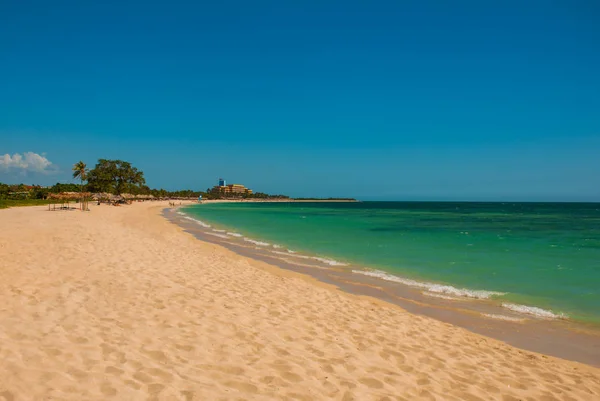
<point>377,100</point>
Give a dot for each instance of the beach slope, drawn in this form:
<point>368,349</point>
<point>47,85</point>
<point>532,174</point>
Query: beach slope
<point>119,303</point>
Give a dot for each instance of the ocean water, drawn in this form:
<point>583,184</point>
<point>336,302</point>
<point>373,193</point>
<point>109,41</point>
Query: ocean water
<point>540,259</point>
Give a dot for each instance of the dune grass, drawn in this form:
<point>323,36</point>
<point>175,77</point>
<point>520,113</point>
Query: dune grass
<point>6,203</point>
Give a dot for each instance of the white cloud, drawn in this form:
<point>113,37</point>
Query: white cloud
<point>27,162</point>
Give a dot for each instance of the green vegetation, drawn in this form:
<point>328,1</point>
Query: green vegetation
<point>24,192</point>
<point>110,176</point>
<point>215,193</point>
<point>80,171</point>
<point>5,203</point>
<point>326,199</point>
<point>115,176</point>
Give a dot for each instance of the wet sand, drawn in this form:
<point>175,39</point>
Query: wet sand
<point>119,303</point>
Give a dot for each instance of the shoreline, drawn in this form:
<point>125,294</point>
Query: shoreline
<point>120,303</point>
<point>549,335</point>
<point>514,298</point>
<point>250,200</point>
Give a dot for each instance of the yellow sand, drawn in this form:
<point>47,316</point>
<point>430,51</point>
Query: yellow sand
<point>118,303</point>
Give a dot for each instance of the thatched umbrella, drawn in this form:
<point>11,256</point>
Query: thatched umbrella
<point>65,197</point>
<point>101,196</point>
<point>70,195</point>
<point>57,199</point>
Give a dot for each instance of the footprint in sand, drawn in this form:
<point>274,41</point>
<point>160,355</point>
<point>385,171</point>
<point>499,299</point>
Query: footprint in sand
<point>370,382</point>
<point>107,389</point>
<point>113,371</point>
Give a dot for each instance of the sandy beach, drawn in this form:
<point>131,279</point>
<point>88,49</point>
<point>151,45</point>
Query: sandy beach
<point>119,303</point>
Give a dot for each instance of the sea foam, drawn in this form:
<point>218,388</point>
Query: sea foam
<point>259,243</point>
<point>431,287</point>
<point>441,296</point>
<point>330,262</point>
<point>503,317</point>
<point>200,223</point>
<point>534,310</point>
<point>217,235</point>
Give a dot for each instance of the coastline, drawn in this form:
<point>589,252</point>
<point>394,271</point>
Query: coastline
<point>443,252</point>
<point>121,303</point>
<point>251,200</point>
<point>544,333</point>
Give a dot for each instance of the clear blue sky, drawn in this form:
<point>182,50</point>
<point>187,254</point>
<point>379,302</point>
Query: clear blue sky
<point>469,100</point>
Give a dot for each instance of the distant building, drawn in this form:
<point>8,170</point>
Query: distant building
<point>237,189</point>
<point>231,189</point>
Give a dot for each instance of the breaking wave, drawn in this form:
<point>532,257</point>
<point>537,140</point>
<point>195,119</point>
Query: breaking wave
<point>201,223</point>
<point>431,287</point>
<point>330,262</point>
<point>441,296</point>
<point>217,235</point>
<point>259,243</point>
<point>503,317</point>
<point>535,311</point>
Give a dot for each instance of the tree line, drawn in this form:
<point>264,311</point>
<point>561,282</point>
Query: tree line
<point>115,177</point>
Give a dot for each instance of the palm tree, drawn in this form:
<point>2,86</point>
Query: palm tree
<point>80,171</point>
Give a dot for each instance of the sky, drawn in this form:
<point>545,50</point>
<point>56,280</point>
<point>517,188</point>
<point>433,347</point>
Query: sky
<point>395,100</point>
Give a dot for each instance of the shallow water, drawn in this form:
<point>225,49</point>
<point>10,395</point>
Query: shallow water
<point>533,258</point>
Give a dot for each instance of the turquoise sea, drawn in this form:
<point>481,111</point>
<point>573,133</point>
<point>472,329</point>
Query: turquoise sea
<point>540,258</point>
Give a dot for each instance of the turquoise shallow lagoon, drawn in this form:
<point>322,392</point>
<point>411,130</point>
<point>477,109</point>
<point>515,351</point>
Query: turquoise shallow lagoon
<point>541,255</point>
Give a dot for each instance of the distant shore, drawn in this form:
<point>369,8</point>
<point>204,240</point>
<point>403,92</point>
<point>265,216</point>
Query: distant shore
<point>278,200</point>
